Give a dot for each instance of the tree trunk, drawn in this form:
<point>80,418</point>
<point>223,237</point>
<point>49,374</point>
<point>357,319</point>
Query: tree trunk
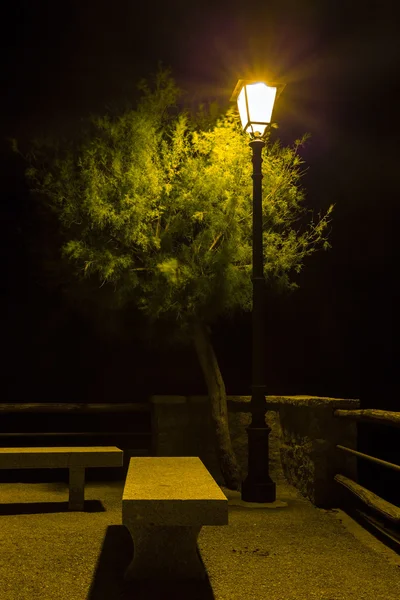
<point>219,409</point>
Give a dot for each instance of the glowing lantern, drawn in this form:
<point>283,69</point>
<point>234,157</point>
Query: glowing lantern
<point>255,103</point>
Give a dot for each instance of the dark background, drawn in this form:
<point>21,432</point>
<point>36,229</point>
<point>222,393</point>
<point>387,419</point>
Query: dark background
<point>341,62</point>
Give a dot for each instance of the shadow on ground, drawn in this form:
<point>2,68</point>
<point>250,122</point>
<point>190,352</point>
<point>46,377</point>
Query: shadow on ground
<point>108,580</point>
<point>38,508</point>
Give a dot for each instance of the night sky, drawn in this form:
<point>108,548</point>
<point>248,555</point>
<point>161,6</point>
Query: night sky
<point>341,64</point>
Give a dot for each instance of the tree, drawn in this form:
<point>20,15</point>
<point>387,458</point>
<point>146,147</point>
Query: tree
<point>155,203</point>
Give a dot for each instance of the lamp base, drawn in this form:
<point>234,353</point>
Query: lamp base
<point>258,485</point>
<point>257,491</point>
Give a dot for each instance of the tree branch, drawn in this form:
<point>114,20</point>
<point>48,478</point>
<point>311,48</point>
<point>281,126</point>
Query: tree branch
<point>215,241</point>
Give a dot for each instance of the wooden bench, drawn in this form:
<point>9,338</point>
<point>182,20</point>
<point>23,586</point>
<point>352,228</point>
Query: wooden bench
<point>166,501</point>
<point>76,459</point>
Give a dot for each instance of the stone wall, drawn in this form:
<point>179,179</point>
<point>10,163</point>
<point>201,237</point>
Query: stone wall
<point>309,456</point>
<point>302,441</point>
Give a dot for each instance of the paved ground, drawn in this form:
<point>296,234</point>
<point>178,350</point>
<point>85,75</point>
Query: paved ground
<point>294,552</point>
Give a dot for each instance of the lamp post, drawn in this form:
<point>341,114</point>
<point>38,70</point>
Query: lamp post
<point>255,103</point>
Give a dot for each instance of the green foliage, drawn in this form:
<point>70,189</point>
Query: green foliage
<point>156,205</point>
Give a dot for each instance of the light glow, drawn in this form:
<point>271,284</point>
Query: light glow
<point>255,104</point>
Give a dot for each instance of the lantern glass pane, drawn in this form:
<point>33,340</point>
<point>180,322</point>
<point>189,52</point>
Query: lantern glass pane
<point>241,101</point>
<point>260,98</point>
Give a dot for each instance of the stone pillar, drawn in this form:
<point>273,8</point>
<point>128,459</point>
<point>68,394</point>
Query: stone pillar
<point>310,434</point>
<point>166,553</point>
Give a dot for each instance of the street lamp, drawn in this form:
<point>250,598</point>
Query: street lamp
<point>255,103</point>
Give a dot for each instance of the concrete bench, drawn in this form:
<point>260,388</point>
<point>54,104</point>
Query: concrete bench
<point>166,501</point>
<point>76,459</point>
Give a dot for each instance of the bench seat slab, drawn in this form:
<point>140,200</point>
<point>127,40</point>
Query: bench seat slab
<point>60,457</point>
<point>172,491</point>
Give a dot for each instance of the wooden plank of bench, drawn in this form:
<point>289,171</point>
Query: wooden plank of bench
<point>166,501</point>
<point>76,459</point>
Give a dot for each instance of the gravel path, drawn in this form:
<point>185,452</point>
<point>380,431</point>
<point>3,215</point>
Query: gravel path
<point>294,552</point>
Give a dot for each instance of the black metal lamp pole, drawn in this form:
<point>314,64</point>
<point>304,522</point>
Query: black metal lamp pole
<point>258,485</point>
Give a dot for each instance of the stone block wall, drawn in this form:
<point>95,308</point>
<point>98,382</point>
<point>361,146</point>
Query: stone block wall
<point>302,442</point>
<point>309,456</point>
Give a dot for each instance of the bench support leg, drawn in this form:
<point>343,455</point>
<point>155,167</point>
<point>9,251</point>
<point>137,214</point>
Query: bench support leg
<point>166,553</point>
<point>76,488</point>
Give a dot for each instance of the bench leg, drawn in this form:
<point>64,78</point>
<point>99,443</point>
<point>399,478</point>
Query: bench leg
<point>167,553</point>
<point>76,488</point>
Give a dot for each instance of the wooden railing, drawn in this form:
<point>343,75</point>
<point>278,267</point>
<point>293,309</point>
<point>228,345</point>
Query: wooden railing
<point>49,407</point>
<point>381,515</point>
<point>370,415</point>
